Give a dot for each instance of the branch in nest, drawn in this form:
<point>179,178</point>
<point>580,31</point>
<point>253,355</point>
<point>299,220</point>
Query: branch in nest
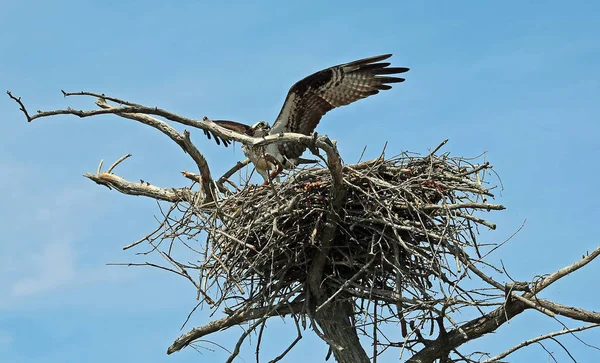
<point>239,165</point>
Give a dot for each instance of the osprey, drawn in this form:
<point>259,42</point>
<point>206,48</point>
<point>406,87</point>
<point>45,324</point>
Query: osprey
<point>306,102</point>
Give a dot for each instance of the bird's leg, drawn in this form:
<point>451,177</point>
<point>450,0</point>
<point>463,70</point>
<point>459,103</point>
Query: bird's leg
<point>275,172</point>
<point>264,174</point>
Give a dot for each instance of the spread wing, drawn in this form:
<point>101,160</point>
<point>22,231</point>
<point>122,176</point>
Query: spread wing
<point>230,125</point>
<point>312,97</point>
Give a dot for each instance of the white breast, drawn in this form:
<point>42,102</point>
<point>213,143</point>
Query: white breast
<point>256,156</point>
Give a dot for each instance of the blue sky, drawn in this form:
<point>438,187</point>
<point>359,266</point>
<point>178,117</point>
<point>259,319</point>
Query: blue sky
<point>519,80</point>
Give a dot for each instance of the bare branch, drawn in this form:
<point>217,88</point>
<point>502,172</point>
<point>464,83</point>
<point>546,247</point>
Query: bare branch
<point>537,339</point>
<point>103,96</point>
<point>533,305</point>
<point>141,189</point>
<point>191,176</point>
<point>233,320</point>
<point>437,148</point>
<point>182,140</point>
<point>473,329</point>
<point>21,105</point>
<point>542,284</point>
<point>114,165</point>
<point>469,205</point>
<point>233,170</point>
<point>570,312</point>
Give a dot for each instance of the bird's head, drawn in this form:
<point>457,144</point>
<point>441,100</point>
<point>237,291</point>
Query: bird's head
<point>259,129</point>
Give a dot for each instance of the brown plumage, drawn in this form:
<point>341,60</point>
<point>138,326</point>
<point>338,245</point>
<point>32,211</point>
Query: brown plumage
<point>231,125</point>
<point>312,97</point>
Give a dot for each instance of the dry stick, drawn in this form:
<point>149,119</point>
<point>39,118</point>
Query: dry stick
<point>97,95</point>
<point>99,169</point>
<point>246,332</point>
<point>533,304</point>
<point>131,108</point>
<point>140,189</point>
<point>234,320</point>
<point>537,339</point>
<point>114,165</point>
<point>287,350</point>
<point>146,238</point>
<point>191,176</point>
<point>346,284</point>
<point>498,285</point>
<point>474,170</point>
<point>473,218</point>
<point>235,168</point>
<point>208,184</point>
<point>464,206</point>
<point>542,284</point>
<point>570,312</point>
<point>236,240</point>
<point>431,154</point>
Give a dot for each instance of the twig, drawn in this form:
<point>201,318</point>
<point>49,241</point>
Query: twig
<point>230,321</point>
<point>437,148</point>
<point>537,339</point>
<point>110,169</point>
<point>542,284</point>
<point>346,284</point>
<point>103,96</point>
<point>21,105</point>
<point>233,170</point>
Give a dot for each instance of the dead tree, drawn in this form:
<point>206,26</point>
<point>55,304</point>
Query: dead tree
<point>341,249</point>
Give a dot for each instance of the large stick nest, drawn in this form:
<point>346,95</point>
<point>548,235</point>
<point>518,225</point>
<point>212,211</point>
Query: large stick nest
<point>405,221</point>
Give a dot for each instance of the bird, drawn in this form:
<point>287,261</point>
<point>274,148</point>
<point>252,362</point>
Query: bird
<point>307,101</point>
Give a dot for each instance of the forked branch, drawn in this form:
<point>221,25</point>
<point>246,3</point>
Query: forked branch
<point>142,188</point>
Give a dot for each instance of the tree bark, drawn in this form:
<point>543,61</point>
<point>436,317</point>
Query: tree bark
<point>339,332</point>
<point>471,330</point>
<point>333,317</point>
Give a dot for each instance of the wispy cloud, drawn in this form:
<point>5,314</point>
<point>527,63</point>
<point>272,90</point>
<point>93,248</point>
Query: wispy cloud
<point>43,256</point>
<point>52,268</point>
